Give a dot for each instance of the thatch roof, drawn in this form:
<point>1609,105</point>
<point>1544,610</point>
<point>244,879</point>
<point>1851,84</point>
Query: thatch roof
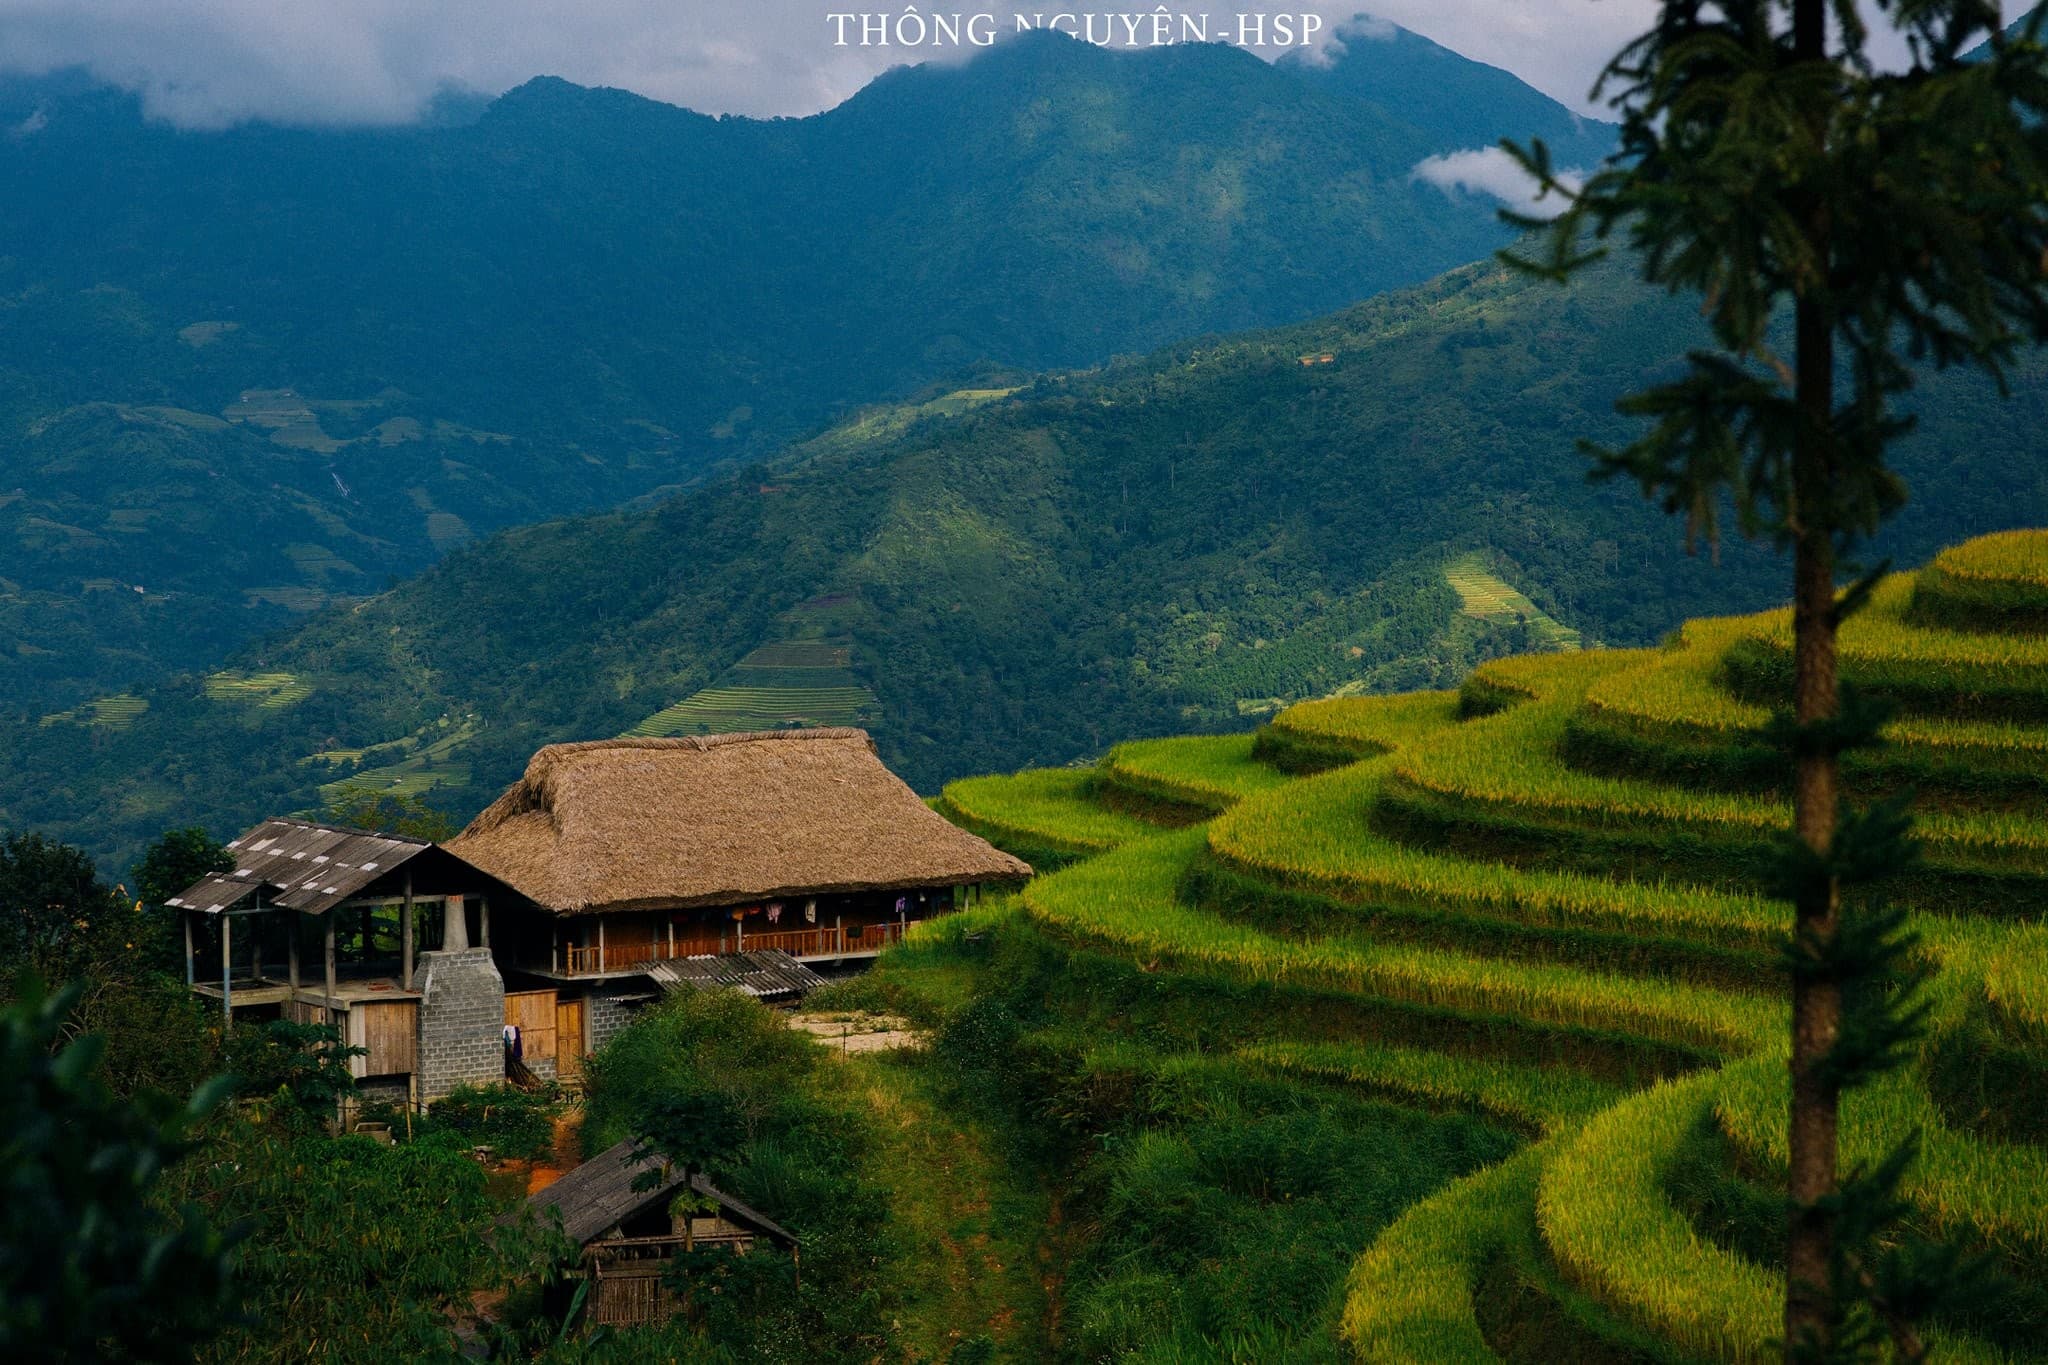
<point>655,824</point>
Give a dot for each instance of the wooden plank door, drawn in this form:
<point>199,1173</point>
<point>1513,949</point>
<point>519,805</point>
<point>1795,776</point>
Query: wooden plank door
<point>569,1040</point>
<point>533,1013</point>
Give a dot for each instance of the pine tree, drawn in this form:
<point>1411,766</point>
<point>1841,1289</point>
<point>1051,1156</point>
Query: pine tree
<point>1769,165</point>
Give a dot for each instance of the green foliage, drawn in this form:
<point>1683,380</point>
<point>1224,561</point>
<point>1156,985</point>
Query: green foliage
<point>93,1261</point>
<point>299,1072</point>
<point>178,858</point>
<point>360,1251</point>
<point>386,812</point>
<point>60,918</point>
<point>514,1124</point>
<point>719,1083</point>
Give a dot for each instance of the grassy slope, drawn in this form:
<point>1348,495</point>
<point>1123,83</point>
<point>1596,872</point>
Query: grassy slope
<point>1404,971</point>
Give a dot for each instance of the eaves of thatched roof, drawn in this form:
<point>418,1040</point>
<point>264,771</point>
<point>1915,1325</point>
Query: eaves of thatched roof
<point>655,824</point>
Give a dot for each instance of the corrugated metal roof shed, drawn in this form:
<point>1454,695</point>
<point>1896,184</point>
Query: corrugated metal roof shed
<point>769,975</point>
<point>300,866</point>
<point>599,1195</point>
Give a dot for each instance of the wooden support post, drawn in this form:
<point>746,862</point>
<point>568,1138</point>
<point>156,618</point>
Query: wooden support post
<point>600,943</point>
<point>483,921</point>
<point>368,915</point>
<point>327,1007</point>
<point>671,935</point>
<point>185,918</point>
<point>291,951</point>
<point>227,967</point>
<point>839,931</point>
<point>739,928</point>
<point>554,947</point>
<point>405,935</point>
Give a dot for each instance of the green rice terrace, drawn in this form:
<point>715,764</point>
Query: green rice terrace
<point>1485,596</point>
<point>1450,1026</point>
<point>111,713</point>
<point>778,686</point>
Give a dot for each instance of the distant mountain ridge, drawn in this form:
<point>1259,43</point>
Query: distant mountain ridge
<point>1180,542</point>
<point>577,297</point>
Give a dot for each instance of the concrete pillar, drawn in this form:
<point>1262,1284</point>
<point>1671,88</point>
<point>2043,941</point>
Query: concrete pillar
<point>454,926</point>
<point>405,935</point>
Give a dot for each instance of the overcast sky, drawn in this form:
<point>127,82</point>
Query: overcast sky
<point>212,62</point>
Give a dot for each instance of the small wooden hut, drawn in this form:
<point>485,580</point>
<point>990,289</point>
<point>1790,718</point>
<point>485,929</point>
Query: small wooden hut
<point>630,1237</point>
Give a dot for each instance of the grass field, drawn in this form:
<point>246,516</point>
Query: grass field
<point>1536,903</point>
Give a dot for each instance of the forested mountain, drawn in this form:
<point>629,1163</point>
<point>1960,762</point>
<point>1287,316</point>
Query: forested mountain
<point>247,372</point>
<point>1173,543</point>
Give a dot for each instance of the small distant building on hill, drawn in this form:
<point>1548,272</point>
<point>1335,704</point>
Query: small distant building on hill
<point>604,877</point>
<point>631,1236</point>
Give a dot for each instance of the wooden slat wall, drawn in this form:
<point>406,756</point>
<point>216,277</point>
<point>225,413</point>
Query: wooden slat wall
<point>534,1014</point>
<point>391,1031</point>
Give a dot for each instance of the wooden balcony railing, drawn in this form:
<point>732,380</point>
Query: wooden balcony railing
<point>823,941</point>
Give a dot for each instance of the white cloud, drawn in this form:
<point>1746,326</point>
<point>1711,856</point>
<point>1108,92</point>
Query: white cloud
<point>1491,171</point>
<point>30,126</point>
<point>213,62</point>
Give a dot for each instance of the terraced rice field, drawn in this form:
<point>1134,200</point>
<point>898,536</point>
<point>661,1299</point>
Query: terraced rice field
<point>111,713</point>
<point>1518,903</point>
<point>418,763</point>
<point>787,684</point>
<point>1487,597</point>
<point>264,691</point>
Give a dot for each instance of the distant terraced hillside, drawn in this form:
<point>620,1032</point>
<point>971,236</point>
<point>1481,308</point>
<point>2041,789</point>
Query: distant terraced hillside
<point>1538,902</point>
<point>791,683</point>
<point>1487,597</point>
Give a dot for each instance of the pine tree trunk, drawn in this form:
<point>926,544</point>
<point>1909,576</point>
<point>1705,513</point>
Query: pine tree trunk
<point>1816,1004</point>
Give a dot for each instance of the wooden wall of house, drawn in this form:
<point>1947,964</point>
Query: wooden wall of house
<point>390,1029</point>
<point>533,1013</point>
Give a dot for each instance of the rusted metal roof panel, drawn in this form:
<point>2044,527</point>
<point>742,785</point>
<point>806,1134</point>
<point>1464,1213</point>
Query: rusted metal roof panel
<point>599,1195</point>
<point>769,975</point>
<point>302,866</point>
<point>215,892</point>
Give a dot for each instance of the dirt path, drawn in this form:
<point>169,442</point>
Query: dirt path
<point>567,1154</point>
<point>848,1032</point>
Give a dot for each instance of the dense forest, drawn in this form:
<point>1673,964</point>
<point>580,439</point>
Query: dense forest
<point>1178,542</point>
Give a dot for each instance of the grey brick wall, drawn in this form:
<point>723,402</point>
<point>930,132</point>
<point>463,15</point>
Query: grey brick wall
<point>462,1021</point>
<point>608,1014</point>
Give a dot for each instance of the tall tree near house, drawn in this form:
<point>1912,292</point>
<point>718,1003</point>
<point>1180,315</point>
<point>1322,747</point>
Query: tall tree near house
<point>1899,213</point>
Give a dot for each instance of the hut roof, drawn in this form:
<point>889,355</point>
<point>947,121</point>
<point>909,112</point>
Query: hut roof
<point>648,824</point>
<point>599,1194</point>
<point>771,975</point>
<point>301,866</point>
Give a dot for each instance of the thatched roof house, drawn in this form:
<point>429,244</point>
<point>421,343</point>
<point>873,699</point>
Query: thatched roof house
<point>671,824</point>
